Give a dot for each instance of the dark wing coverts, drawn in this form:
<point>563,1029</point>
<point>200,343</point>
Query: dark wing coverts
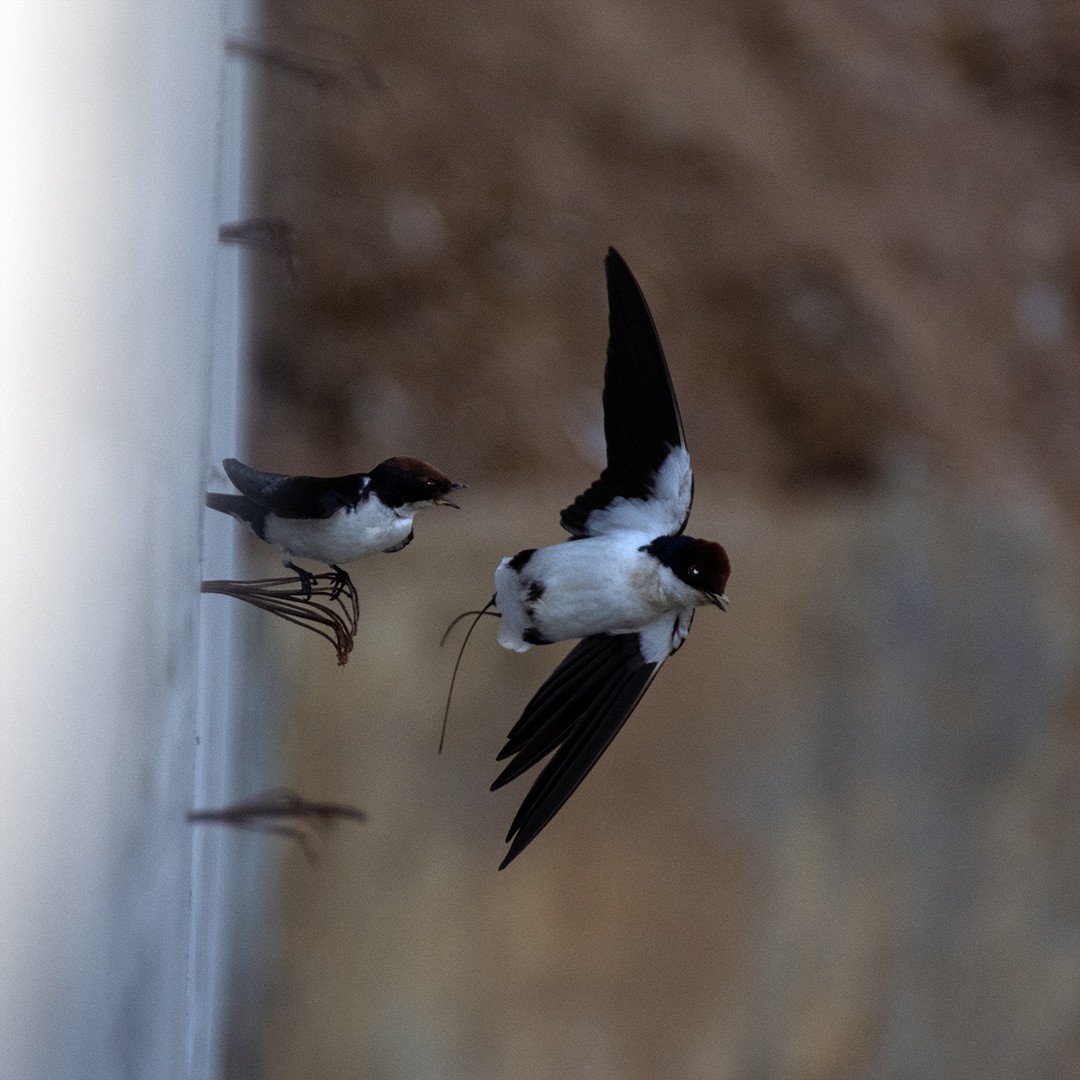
<point>296,496</point>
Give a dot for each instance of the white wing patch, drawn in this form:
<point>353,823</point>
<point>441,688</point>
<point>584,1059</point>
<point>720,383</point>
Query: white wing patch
<point>661,638</point>
<point>662,514</point>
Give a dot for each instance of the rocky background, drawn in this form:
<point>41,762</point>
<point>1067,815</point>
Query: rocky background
<point>840,838</point>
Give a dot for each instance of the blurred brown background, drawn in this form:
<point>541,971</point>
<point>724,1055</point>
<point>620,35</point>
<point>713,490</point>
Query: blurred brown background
<point>840,837</point>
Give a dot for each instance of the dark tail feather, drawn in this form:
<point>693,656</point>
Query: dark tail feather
<point>239,507</point>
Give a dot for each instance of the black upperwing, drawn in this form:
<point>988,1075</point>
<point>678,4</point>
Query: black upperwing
<point>578,710</point>
<point>642,424</point>
<point>296,496</point>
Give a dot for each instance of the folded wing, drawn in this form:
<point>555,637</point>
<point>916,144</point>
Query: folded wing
<point>296,496</point>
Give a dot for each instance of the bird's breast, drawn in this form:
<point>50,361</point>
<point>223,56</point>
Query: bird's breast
<point>346,535</point>
<point>590,586</point>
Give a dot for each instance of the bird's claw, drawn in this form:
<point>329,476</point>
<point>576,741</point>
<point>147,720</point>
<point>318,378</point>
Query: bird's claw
<point>341,582</point>
<point>307,580</point>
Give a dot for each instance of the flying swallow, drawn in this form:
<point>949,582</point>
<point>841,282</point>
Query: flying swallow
<point>334,519</point>
<point>627,582</point>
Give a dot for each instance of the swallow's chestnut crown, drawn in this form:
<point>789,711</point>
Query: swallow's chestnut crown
<point>402,480</point>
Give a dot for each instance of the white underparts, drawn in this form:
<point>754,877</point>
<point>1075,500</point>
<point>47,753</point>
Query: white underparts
<point>344,536</point>
<point>597,585</point>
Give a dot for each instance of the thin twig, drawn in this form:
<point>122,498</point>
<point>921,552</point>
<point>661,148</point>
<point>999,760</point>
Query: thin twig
<point>280,812</point>
<point>485,610</point>
<point>336,621</point>
<point>274,235</point>
<point>339,73</point>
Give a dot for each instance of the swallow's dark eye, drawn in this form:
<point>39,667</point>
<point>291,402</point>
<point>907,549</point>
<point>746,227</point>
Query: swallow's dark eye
<point>693,571</point>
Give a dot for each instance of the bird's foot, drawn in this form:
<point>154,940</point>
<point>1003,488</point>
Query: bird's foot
<point>341,582</point>
<point>307,579</point>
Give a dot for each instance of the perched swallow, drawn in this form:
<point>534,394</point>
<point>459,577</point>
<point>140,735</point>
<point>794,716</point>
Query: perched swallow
<point>334,519</point>
<point>627,581</point>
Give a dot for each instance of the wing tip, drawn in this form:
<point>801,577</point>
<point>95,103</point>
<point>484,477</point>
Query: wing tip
<point>616,267</point>
<point>517,844</point>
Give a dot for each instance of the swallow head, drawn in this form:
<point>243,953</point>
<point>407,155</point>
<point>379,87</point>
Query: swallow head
<point>411,484</point>
<point>701,564</point>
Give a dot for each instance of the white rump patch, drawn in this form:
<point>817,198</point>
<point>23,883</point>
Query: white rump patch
<point>511,607</point>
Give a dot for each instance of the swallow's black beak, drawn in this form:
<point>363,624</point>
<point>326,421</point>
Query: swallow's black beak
<point>454,486</point>
<point>719,599</point>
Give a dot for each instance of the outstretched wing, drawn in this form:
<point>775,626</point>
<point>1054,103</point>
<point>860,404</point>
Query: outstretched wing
<point>296,496</point>
<point>576,713</point>
<point>647,483</point>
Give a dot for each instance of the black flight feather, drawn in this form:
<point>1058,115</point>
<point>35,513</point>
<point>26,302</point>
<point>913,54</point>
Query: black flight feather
<point>641,414</point>
<point>607,671</point>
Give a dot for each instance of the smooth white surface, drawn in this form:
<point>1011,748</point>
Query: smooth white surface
<point>111,140</point>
